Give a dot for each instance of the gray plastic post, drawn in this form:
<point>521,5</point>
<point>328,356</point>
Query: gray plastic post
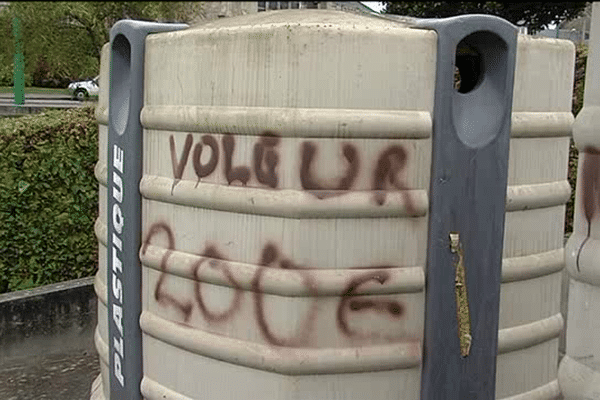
<point>127,42</point>
<point>471,128</point>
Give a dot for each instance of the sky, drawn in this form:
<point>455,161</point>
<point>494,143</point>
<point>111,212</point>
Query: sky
<point>373,5</point>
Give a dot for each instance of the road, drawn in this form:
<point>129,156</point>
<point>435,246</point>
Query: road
<point>41,101</point>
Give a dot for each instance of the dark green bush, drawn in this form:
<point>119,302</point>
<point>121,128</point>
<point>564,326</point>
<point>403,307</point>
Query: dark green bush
<point>48,198</point>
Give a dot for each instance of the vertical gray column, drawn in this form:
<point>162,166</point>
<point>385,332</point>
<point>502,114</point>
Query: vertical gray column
<point>127,41</point>
<point>471,128</point>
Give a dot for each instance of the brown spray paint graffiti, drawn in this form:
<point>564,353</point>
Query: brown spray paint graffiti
<point>590,184</point>
<point>271,257</point>
<point>386,174</point>
<point>590,176</point>
<point>391,163</point>
<point>232,174</point>
<point>319,190</point>
<point>159,295</point>
<point>203,170</point>
<point>216,261</point>
<point>265,159</point>
<point>349,302</point>
<point>387,170</point>
<point>179,165</point>
<point>264,152</point>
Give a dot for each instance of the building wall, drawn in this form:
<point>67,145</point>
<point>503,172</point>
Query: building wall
<point>569,34</point>
<point>222,9</point>
<point>350,6</point>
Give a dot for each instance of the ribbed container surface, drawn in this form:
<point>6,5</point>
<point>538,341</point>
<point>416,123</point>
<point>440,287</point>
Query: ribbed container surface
<point>287,157</point>
<point>579,372</point>
<point>530,319</point>
<point>101,171</point>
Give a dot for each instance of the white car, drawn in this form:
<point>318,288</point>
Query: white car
<point>81,90</point>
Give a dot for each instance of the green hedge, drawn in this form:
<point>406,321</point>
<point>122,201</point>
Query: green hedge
<point>48,198</point>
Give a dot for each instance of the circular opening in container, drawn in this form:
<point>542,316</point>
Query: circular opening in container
<point>120,87</point>
<point>468,68</point>
<point>480,103</point>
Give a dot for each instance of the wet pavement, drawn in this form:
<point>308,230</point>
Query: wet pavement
<point>65,376</point>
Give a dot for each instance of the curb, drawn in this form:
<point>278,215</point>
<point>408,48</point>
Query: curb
<point>54,318</point>
<point>35,96</point>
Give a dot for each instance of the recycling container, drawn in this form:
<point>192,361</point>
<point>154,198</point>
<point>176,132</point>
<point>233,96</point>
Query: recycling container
<point>579,372</point>
<point>285,198</point>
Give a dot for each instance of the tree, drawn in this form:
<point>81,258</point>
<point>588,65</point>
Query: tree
<point>534,16</point>
<point>63,40</point>
<point>96,18</point>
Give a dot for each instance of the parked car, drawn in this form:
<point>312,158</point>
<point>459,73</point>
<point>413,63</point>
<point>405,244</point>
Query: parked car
<point>81,90</point>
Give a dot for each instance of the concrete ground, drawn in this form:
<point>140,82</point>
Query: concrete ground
<point>47,342</point>
<point>64,376</point>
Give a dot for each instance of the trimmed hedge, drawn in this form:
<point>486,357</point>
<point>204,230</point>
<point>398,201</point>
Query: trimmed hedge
<point>48,198</point>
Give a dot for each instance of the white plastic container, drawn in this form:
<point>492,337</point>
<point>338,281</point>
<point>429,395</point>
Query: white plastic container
<point>286,175</point>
